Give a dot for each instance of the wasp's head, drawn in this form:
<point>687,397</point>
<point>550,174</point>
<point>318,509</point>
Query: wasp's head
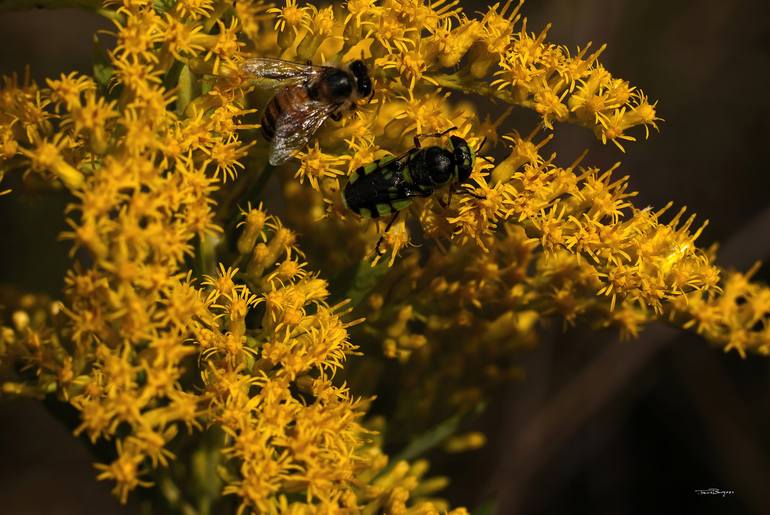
<point>364,87</point>
<point>463,156</point>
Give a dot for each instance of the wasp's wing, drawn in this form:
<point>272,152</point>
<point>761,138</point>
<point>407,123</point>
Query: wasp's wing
<point>295,127</point>
<point>277,72</point>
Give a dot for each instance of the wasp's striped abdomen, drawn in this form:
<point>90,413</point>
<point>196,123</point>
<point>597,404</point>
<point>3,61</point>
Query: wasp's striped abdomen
<point>282,104</point>
<point>377,189</point>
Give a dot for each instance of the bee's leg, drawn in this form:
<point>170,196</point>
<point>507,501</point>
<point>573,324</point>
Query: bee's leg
<point>382,236</point>
<point>434,135</point>
<point>336,116</point>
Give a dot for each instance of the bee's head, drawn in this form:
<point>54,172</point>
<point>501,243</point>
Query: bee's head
<point>463,156</point>
<point>364,86</point>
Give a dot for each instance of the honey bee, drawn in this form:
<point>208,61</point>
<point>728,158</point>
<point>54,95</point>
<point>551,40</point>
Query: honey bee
<point>308,95</point>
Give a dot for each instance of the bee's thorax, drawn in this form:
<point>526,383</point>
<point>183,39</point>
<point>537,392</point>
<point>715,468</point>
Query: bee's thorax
<point>335,86</point>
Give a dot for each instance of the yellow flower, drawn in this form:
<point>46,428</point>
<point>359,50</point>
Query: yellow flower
<point>47,156</point>
<point>67,91</point>
<point>315,165</point>
<point>186,307</point>
<point>138,34</point>
<point>125,471</point>
<point>289,21</point>
<point>194,9</point>
<point>182,39</point>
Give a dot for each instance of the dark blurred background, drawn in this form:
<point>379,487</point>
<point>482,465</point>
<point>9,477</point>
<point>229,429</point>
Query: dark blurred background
<point>598,426</point>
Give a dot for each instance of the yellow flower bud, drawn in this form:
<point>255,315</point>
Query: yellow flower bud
<point>254,224</point>
<point>466,442</point>
<point>20,320</point>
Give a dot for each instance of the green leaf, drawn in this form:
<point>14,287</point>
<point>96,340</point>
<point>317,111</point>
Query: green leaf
<point>433,437</point>
<point>361,280</point>
<point>103,70</point>
<point>103,73</point>
<point>429,440</point>
<point>163,5</point>
<point>487,507</point>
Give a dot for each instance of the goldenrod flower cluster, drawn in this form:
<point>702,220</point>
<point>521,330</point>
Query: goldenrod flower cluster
<point>191,331</point>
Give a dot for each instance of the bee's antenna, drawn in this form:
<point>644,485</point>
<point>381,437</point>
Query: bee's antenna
<point>482,145</point>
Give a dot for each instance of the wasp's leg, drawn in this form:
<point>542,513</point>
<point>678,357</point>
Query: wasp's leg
<point>433,135</point>
<point>417,193</point>
<point>446,203</point>
<point>471,194</point>
<point>382,236</point>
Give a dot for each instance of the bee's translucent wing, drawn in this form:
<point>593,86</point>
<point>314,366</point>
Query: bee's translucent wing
<point>295,127</point>
<point>268,71</point>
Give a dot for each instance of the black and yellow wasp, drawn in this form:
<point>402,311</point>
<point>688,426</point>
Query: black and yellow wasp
<point>389,185</point>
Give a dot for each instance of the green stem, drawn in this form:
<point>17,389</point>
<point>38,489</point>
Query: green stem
<point>206,257</point>
<point>185,88</point>
<point>205,460</point>
<point>110,14</point>
<point>468,86</point>
<point>173,495</point>
<point>219,10</point>
<point>457,83</point>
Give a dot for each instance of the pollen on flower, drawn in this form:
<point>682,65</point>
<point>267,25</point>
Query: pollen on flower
<point>317,165</point>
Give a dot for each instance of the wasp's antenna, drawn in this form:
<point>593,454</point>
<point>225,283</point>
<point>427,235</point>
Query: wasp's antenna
<point>450,129</point>
<point>483,142</point>
<point>486,158</point>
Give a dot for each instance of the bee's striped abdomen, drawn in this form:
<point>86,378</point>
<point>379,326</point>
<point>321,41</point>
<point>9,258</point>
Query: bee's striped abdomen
<point>280,105</point>
<point>269,118</point>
